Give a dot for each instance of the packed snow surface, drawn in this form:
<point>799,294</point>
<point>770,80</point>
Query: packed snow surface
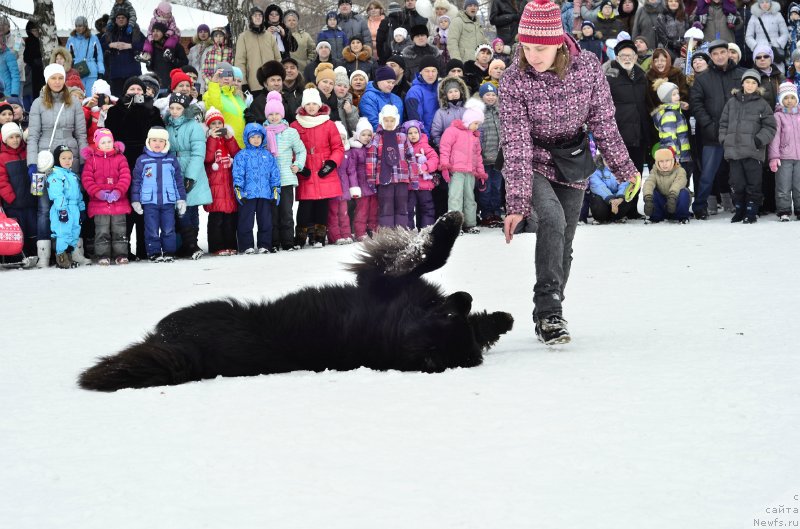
<point>675,406</point>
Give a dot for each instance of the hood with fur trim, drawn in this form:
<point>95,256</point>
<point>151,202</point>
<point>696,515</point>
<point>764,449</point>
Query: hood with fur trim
<point>65,53</point>
<point>774,8</point>
<point>364,55</point>
<point>462,86</point>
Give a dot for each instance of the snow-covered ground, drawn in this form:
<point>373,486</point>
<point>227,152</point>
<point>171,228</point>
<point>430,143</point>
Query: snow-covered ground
<point>675,406</point>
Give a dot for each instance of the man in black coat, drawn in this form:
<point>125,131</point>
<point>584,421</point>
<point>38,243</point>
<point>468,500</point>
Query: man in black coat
<point>129,120</point>
<point>505,15</point>
<point>396,18</point>
<point>707,98</point>
<point>628,84</point>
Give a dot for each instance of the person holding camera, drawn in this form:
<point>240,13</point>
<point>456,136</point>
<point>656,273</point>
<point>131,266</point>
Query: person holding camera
<point>129,120</point>
<point>221,94</point>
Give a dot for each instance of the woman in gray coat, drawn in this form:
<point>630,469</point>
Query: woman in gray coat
<point>68,128</point>
<point>768,13</point>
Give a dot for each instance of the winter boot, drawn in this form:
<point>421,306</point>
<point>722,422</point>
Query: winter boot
<point>301,234</point>
<point>552,330</point>
<point>78,256</point>
<point>189,247</point>
<point>738,212</point>
<point>63,260</point>
<point>43,249</point>
<point>727,203</point>
<point>712,205</point>
<point>751,213</point>
<point>320,235</point>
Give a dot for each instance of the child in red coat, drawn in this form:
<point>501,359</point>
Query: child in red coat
<point>221,147</point>
<point>106,179</point>
<point>461,163</point>
<point>15,189</point>
<point>420,194</point>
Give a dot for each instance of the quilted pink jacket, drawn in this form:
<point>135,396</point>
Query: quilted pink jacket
<point>554,110</point>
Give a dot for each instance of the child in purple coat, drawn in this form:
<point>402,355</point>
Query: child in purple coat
<point>366,217</point>
<point>338,219</point>
<point>420,193</point>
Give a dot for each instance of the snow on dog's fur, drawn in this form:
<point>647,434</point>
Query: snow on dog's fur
<point>390,318</point>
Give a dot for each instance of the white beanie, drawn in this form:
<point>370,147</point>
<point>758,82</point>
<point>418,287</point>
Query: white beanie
<point>362,125</point>
<point>9,129</point>
<point>342,132</point>
<point>311,95</point>
<point>401,31</point>
<point>52,69</point>
<point>101,87</point>
<point>665,90</point>
<point>362,73</point>
<point>389,111</point>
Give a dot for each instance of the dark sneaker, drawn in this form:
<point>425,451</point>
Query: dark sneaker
<point>552,330</point>
<point>701,214</point>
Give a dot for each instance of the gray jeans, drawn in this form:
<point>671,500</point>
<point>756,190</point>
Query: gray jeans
<point>555,213</point>
<point>110,236</point>
<point>787,187</point>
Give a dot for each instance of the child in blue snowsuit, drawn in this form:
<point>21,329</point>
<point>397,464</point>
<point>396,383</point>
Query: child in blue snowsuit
<point>157,190</point>
<point>64,189</point>
<point>257,187</point>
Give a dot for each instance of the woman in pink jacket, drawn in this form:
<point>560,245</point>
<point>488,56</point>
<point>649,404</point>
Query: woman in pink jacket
<point>106,178</point>
<point>461,163</point>
<point>552,93</point>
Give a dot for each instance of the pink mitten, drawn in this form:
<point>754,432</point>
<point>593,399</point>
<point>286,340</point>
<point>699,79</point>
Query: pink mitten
<point>774,164</point>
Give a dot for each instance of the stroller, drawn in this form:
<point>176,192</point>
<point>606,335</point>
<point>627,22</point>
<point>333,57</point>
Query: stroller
<point>11,242</point>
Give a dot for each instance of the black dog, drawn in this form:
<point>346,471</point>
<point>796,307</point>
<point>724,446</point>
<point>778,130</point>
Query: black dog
<point>390,319</point>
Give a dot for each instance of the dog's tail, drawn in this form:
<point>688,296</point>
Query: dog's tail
<point>140,365</point>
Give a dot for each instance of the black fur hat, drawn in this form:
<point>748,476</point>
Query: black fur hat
<point>268,69</point>
<point>130,81</point>
<point>419,29</point>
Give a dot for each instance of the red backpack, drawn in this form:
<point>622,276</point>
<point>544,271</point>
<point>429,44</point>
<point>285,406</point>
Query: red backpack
<point>10,235</point>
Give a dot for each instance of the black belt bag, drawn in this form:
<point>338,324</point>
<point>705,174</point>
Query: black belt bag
<point>572,158</point>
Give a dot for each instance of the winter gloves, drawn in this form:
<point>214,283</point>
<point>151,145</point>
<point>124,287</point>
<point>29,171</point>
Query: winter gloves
<point>276,194</point>
<point>180,205</point>
<point>62,215</point>
<point>188,183</point>
<point>305,172</point>
<point>672,203</point>
<point>237,192</point>
<point>327,168</point>
<point>137,207</point>
<point>108,196</point>
<point>241,199</point>
<point>774,164</point>
<point>648,205</point>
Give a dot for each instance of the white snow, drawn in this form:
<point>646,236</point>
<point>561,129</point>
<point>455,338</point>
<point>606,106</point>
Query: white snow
<point>675,406</point>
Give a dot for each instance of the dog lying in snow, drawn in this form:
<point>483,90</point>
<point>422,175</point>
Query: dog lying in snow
<point>390,318</point>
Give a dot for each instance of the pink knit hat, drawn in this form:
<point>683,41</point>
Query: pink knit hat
<point>541,23</point>
<point>99,134</point>
<point>274,104</point>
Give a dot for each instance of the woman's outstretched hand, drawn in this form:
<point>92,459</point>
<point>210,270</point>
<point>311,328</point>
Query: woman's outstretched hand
<point>509,225</point>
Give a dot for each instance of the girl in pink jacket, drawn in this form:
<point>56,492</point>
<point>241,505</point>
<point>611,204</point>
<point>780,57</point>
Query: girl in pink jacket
<point>461,163</point>
<point>784,153</point>
<point>106,178</point>
<point>338,218</point>
<point>420,196</point>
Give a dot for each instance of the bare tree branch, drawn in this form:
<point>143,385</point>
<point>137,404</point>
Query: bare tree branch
<point>14,13</point>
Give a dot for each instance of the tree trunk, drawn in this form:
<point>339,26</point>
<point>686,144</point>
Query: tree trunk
<point>44,15</point>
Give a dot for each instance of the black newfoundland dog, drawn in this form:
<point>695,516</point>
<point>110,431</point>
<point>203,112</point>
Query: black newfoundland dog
<point>390,319</point>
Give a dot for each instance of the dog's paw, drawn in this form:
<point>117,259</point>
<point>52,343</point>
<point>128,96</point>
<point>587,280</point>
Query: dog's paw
<point>503,321</point>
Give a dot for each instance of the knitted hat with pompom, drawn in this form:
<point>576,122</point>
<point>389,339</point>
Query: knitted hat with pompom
<point>541,23</point>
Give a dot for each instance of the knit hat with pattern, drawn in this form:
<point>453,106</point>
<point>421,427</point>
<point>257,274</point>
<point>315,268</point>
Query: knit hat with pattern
<point>787,88</point>
<point>541,23</point>
<point>212,114</point>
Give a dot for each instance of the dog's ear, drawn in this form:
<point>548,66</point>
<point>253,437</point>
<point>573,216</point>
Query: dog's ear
<point>458,303</point>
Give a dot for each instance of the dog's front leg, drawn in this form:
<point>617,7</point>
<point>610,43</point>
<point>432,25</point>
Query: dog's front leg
<point>488,328</point>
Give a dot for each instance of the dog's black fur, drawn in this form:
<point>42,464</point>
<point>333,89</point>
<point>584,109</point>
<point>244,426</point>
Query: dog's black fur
<point>390,319</point>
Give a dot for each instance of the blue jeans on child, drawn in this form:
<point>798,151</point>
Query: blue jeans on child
<point>489,199</point>
<point>159,229</point>
<point>259,210</point>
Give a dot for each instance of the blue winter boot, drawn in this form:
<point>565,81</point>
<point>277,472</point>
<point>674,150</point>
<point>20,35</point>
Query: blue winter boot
<point>738,212</point>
